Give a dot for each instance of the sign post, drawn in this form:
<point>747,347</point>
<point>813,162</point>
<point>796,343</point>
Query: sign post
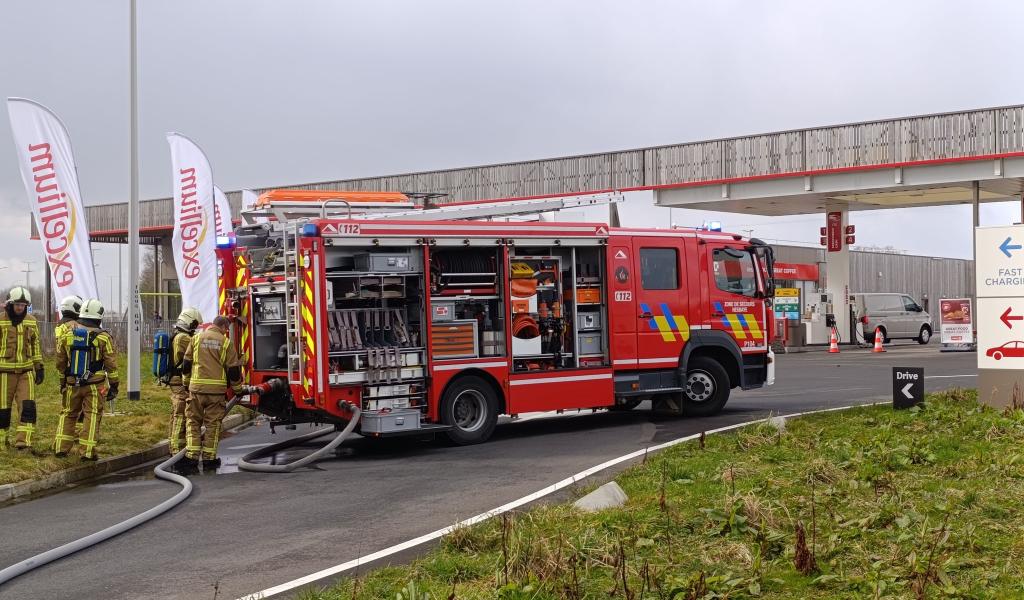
<point>787,303</point>
<point>907,387</point>
<point>999,272</point>
<point>834,231</point>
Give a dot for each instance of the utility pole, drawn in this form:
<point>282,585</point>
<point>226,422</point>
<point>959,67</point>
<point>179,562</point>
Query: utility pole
<point>26,271</point>
<point>134,318</point>
<point>120,287</point>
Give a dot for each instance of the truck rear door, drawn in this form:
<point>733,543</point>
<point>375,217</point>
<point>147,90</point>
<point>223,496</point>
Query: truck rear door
<point>662,300</point>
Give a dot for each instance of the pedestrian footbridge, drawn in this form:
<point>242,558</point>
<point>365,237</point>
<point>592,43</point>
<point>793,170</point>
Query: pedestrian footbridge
<point>965,157</point>
<point>892,163</point>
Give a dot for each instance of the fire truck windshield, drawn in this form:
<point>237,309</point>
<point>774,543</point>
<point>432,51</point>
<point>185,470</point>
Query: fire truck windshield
<point>735,271</point>
<point>766,260</point>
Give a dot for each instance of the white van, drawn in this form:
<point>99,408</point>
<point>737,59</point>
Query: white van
<point>898,316</point>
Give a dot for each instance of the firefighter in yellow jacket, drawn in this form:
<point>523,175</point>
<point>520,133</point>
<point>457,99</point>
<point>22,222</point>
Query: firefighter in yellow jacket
<point>214,366</point>
<point>184,329</point>
<point>69,308</point>
<point>88,360</point>
<point>21,367</point>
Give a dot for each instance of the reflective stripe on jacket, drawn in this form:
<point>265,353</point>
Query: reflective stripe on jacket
<point>212,355</point>
<point>179,343</point>
<point>62,331</point>
<point>19,344</point>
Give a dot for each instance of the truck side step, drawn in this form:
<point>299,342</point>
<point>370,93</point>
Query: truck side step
<point>666,390</point>
<point>424,429</point>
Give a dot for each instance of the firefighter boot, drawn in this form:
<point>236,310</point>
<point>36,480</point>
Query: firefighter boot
<point>186,466</point>
<point>211,465</point>
<point>5,422</point>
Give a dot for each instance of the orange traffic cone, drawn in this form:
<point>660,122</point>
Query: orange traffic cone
<point>833,343</point>
<point>878,342</point>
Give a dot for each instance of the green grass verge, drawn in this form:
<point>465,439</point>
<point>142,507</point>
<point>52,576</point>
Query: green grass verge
<point>922,503</point>
<point>144,423</point>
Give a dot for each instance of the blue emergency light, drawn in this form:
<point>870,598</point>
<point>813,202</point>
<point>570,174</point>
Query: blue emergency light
<point>310,230</point>
<point>711,226</point>
<point>226,241</point>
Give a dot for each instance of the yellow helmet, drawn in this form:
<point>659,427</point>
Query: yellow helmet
<point>189,319</point>
<point>92,309</point>
<point>19,294</point>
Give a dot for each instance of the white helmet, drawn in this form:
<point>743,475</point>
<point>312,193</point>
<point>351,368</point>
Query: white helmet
<point>19,294</point>
<point>189,319</point>
<point>91,309</point>
<point>71,304</point>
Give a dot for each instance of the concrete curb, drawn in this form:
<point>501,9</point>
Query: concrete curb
<point>12,491</point>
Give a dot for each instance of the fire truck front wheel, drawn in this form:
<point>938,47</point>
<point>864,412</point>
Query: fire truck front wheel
<point>707,387</point>
<point>470,408</point>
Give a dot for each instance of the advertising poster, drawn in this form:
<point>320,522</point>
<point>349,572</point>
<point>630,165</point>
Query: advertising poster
<point>956,321</point>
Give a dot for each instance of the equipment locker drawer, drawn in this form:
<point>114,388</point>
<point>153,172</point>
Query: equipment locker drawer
<point>588,320</point>
<point>392,262</point>
<point>389,421</point>
<point>590,343</point>
<point>454,339</point>
<point>442,311</point>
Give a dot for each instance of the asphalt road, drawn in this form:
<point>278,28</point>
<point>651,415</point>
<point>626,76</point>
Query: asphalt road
<point>244,532</point>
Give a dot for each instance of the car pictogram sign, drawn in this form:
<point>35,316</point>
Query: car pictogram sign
<point>1000,323</point>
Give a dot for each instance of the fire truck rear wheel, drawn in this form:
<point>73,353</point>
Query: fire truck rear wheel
<point>470,407</point>
<point>707,387</point>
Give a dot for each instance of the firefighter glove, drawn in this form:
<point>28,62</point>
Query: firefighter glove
<point>112,392</point>
<point>39,375</point>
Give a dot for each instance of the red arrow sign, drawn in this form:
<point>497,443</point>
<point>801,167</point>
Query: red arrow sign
<point>1006,318</point>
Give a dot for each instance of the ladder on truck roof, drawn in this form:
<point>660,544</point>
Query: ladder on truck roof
<point>339,207</point>
<point>496,208</point>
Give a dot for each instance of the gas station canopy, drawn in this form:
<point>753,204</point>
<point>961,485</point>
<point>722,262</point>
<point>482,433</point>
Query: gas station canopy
<point>899,163</point>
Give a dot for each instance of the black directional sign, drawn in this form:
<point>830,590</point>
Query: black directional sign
<point>907,386</point>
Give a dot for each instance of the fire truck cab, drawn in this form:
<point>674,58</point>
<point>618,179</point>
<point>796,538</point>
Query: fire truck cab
<point>443,325</point>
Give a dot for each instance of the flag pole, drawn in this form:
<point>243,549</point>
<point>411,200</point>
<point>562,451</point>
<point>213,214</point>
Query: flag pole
<point>134,318</point>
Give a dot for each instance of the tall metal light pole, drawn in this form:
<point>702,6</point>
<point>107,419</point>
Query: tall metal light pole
<point>26,271</point>
<point>120,285</point>
<point>134,318</point>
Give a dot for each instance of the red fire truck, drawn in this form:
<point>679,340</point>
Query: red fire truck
<point>436,320</point>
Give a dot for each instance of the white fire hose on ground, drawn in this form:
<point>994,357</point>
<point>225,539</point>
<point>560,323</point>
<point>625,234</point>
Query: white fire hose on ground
<point>92,539</point>
<point>161,472</point>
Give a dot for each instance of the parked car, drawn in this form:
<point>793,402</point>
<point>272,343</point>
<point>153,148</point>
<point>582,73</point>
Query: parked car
<point>898,316</point>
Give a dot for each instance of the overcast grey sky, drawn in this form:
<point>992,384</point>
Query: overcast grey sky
<point>298,91</point>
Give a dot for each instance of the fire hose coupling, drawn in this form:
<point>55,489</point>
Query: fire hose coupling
<point>264,388</point>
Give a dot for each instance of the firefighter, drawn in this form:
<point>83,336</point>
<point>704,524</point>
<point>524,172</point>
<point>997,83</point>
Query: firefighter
<point>214,365</point>
<point>88,361</point>
<point>21,367</point>
<point>69,308</point>
<point>184,329</point>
